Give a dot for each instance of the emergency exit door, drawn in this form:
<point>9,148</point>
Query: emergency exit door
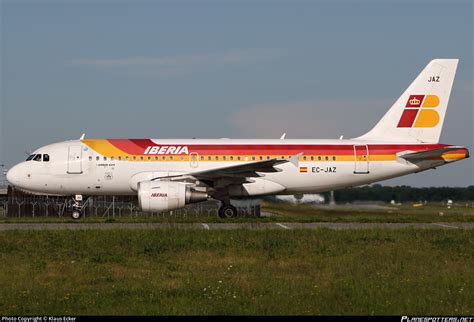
<point>361,159</point>
<point>74,162</point>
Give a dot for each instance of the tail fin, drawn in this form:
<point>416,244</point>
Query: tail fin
<point>418,115</point>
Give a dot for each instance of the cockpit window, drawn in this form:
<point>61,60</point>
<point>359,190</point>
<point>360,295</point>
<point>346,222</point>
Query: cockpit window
<point>37,157</point>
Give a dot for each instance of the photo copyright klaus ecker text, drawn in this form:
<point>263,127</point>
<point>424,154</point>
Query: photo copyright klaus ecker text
<point>39,319</point>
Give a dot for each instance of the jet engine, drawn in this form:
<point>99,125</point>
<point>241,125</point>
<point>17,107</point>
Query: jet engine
<point>167,195</point>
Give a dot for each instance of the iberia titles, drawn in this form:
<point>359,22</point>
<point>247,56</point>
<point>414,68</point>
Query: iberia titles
<point>167,149</point>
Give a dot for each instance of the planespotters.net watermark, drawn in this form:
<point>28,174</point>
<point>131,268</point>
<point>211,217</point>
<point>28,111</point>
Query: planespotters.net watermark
<point>437,319</point>
<point>39,319</point>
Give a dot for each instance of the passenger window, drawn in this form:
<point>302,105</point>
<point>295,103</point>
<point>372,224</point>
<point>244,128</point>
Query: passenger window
<point>149,158</point>
<point>171,158</point>
<point>134,158</point>
<point>268,157</point>
<point>334,158</point>
<point>326,158</point>
<point>238,158</point>
<point>120,158</point>
<point>224,158</point>
<point>105,158</point>
<point>126,158</point>
<point>209,158</point>
<point>253,158</point>
<point>156,158</point>
<point>231,158</point>
<point>111,158</point>
<point>46,157</point>
<point>164,158</point>
<point>319,158</point>
<point>97,158</point>
<point>304,158</point>
<point>37,157</point>
<point>260,157</point>
<point>182,158</point>
<point>312,158</point>
<point>141,158</point>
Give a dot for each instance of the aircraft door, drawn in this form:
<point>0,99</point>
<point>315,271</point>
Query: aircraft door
<point>74,161</point>
<point>361,159</point>
<point>194,159</point>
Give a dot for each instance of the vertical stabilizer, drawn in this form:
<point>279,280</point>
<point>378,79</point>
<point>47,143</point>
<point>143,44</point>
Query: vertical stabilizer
<point>418,114</point>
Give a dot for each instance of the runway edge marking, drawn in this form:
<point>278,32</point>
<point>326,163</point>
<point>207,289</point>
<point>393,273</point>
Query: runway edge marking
<point>444,225</point>
<point>283,226</point>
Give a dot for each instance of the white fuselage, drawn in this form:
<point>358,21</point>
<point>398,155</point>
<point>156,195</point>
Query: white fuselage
<point>114,167</point>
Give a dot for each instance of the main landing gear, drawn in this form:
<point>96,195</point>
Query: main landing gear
<point>77,208</point>
<point>227,211</point>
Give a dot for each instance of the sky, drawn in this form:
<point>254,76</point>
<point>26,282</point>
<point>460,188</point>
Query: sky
<point>235,69</point>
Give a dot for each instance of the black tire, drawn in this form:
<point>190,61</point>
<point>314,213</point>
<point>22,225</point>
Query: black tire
<point>227,211</point>
<point>76,214</point>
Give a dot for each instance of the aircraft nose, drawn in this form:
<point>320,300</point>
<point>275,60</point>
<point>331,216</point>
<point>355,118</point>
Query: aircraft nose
<point>13,176</point>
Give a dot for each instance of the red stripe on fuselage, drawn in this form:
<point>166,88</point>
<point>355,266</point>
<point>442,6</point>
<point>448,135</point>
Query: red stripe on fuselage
<point>131,146</point>
<point>143,143</point>
<point>138,146</point>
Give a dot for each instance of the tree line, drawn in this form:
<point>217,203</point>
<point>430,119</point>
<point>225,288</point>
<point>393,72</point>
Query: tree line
<point>378,192</point>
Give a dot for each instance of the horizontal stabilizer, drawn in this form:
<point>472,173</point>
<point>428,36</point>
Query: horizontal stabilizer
<point>430,153</point>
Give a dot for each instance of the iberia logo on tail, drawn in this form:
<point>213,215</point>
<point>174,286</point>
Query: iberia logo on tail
<point>420,112</point>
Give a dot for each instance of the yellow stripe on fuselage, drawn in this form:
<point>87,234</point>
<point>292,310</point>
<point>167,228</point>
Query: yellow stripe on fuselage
<point>105,148</point>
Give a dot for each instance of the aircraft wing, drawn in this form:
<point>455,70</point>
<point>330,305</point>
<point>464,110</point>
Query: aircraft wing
<point>429,154</point>
<point>236,174</point>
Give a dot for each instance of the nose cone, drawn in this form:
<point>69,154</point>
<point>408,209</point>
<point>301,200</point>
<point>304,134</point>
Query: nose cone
<point>13,176</point>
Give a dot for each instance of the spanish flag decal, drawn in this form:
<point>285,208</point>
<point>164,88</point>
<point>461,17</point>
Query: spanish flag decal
<point>303,169</point>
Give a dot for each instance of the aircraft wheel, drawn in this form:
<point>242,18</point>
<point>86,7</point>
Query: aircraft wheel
<point>227,211</point>
<point>76,215</point>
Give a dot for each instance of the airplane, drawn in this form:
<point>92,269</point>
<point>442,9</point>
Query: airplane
<point>168,174</point>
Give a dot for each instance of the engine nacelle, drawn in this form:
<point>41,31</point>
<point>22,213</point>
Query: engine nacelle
<point>167,195</point>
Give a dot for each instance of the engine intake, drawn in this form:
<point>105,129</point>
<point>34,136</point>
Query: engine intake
<point>167,195</point>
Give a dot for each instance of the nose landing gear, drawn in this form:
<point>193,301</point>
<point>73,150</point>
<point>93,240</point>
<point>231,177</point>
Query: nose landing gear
<point>77,208</point>
<point>76,214</point>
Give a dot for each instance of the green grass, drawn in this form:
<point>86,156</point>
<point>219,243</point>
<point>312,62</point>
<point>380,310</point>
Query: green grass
<point>409,272</point>
<point>284,212</point>
<point>405,213</point>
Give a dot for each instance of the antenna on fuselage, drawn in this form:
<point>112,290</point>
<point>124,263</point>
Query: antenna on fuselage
<point>340,138</point>
<point>283,136</point>
<point>82,136</point>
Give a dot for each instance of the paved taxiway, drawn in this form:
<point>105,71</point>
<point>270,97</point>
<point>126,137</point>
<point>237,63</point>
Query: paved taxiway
<point>232,226</point>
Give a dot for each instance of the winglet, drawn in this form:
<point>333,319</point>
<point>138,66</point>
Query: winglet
<point>296,159</point>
